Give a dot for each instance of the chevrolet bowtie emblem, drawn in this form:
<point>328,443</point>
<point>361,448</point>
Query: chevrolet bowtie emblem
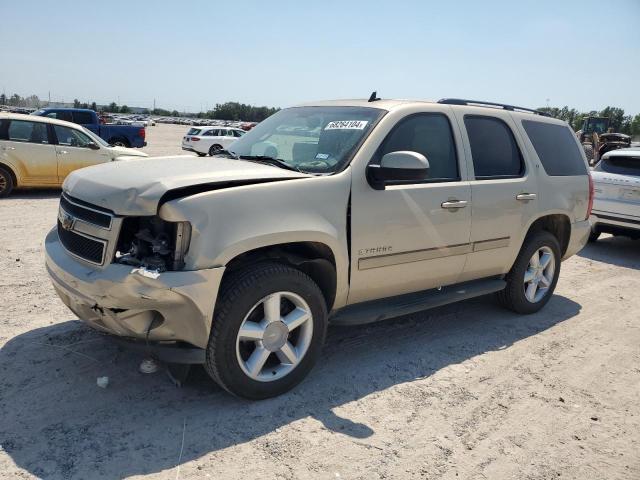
<point>66,220</point>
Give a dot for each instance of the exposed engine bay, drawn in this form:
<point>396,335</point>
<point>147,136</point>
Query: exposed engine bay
<point>153,243</point>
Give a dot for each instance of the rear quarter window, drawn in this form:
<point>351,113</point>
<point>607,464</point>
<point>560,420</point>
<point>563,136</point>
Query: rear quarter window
<point>193,131</point>
<point>556,148</point>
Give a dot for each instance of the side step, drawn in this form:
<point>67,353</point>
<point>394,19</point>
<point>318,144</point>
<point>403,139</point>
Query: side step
<point>383,309</point>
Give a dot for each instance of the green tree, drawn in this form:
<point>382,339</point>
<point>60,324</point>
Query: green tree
<point>3,99</point>
<point>94,107</point>
<point>76,103</point>
<point>125,109</point>
<point>112,107</point>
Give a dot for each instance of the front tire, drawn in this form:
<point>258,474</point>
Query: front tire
<point>534,275</point>
<point>268,330</point>
<point>6,183</point>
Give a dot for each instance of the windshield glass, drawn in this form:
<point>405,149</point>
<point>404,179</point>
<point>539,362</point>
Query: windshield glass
<point>309,139</point>
<point>95,137</point>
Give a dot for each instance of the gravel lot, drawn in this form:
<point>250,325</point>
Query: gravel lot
<point>464,391</point>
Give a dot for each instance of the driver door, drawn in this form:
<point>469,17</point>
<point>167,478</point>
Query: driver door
<point>412,237</point>
<point>73,151</point>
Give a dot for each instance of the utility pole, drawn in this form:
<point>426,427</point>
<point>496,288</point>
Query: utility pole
<point>154,104</point>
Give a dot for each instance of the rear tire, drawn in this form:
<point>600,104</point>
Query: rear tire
<point>245,355</point>
<point>215,149</point>
<point>530,283</point>
<point>588,151</point>
<point>6,183</point>
<point>119,142</point>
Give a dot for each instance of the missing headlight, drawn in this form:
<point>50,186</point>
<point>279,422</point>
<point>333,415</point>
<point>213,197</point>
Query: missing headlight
<point>153,243</point>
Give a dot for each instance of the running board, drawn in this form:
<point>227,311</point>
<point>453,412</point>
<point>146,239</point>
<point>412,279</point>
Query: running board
<point>383,309</point>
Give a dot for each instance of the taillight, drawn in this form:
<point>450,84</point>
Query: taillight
<point>195,139</point>
<point>142,133</point>
<point>591,194</point>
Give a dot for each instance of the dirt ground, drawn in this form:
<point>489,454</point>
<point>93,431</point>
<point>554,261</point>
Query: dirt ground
<point>464,391</point>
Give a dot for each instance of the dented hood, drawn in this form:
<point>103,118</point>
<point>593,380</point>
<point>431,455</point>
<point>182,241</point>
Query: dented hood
<point>136,186</point>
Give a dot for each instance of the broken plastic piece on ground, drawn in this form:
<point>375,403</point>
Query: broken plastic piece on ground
<point>102,382</point>
<point>148,365</point>
<point>145,272</point>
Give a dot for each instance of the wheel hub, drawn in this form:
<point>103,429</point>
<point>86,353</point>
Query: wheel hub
<point>275,336</point>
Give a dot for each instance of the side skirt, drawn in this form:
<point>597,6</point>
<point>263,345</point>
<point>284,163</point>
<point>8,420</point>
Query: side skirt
<point>383,309</point>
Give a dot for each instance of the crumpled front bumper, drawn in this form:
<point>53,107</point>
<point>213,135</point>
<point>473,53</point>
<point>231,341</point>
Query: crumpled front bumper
<point>114,299</point>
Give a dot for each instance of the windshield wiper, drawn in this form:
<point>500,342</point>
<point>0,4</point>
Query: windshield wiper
<point>277,162</point>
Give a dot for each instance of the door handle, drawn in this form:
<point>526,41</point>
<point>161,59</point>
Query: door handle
<point>524,197</point>
<point>454,204</point>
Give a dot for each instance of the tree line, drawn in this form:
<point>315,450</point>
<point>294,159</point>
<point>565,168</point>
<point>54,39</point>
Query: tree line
<point>222,111</point>
<point>620,122</point>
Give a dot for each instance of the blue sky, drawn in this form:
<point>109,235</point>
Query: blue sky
<point>191,55</point>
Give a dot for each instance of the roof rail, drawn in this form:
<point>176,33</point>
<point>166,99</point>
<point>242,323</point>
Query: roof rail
<point>480,103</point>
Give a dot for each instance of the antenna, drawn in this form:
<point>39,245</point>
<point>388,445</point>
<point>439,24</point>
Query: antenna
<point>373,96</point>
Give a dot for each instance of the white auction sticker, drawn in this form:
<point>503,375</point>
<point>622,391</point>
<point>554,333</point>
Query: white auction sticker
<point>347,125</point>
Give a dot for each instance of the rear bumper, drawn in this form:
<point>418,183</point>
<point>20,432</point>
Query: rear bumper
<point>601,219</point>
<point>177,305</point>
<point>579,236</point>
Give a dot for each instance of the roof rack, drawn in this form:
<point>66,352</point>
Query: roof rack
<point>480,103</point>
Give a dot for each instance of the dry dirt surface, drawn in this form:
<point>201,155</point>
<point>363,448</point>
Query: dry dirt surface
<point>465,391</point>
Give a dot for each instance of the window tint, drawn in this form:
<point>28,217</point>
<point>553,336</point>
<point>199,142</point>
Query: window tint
<point>621,165</point>
<point>70,137</point>
<point>209,133</point>
<point>430,135</point>
<point>238,133</point>
<point>83,118</point>
<point>493,148</point>
<point>32,132</point>
<point>193,131</point>
<point>556,148</point>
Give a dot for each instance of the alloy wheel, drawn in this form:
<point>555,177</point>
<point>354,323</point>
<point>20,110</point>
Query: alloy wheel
<point>274,336</point>
<point>539,274</point>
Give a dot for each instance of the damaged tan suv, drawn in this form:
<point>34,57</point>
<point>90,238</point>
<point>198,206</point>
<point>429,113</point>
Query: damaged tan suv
<point>340,212</point>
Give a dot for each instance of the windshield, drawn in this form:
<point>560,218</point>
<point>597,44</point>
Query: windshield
<point>309,139</point>
<point>95,137</point>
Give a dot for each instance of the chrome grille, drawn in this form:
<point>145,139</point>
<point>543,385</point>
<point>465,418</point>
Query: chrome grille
<point>87,232</point>
<point>82,246</point>
<point>85,212</point>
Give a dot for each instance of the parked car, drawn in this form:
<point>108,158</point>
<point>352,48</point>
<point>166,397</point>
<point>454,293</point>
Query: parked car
<point>616,204</point>
<point>117,135</point>
<point>210,140</point>
<point>41,151</point>
<point>372,209</point>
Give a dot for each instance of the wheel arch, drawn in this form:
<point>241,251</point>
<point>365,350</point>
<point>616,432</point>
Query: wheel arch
<point>558,224</point>
<point>316,259</point>
<point>11,171</point>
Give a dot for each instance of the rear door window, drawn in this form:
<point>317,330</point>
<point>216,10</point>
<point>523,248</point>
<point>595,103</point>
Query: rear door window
<point>83,118</point>
<point>494,150</point>
<point>30,132</point>
<point>556,148</point>
<point>621,165</point>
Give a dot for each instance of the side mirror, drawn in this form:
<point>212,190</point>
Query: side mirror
<point>398,168</point>
<point>93,146</point>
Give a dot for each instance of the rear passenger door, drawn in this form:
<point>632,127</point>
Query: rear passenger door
<point>503,191</point>
<point>27,147</point>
